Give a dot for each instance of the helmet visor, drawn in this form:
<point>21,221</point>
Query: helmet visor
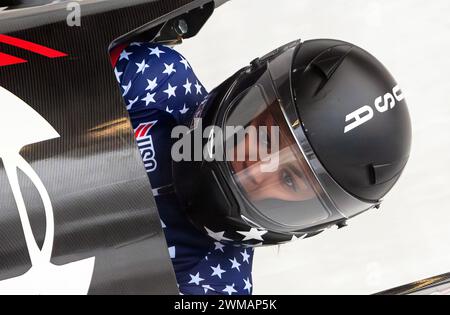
<point>266,162</point>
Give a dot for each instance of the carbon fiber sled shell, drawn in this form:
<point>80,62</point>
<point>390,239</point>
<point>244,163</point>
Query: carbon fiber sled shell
<point>87,174</point>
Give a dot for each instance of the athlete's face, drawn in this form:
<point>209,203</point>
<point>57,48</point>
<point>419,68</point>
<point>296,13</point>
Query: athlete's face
<point>288,181</point>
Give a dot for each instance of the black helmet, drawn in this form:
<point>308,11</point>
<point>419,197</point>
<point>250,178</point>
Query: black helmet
<point>343,135</point>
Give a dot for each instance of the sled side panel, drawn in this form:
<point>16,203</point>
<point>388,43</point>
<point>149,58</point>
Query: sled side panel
<point>94,175</point>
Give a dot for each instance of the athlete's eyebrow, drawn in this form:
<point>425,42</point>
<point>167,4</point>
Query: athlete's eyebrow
<point>296,171</point>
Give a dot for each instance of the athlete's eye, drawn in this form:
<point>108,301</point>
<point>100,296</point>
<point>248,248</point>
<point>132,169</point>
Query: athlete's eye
<point>288,180</point>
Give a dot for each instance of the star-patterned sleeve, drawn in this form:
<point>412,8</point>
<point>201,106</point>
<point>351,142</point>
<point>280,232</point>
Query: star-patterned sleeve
<point>154,76</point>
<point>161,91</point>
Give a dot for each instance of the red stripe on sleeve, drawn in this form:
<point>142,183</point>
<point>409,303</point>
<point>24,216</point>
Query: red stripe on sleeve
<point>144,130</point>
<point>115,53</point>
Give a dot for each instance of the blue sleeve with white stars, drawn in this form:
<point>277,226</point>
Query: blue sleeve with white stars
<point>158,77</point>
<point>161,91</point>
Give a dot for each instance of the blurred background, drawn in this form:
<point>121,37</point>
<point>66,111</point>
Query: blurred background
<point>409,238</point>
